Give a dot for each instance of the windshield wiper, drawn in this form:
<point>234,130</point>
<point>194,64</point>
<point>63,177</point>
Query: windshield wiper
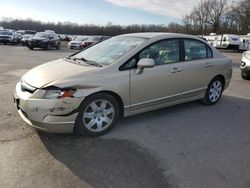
<point>88,61</point>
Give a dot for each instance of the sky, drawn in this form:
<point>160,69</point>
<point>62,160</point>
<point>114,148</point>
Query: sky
<point>100,12</point>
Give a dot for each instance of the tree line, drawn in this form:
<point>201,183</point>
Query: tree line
<point>77,29</point>
<point>217,16</point>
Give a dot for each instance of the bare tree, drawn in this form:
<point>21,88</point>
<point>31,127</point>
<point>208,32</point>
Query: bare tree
<point>216,10</point>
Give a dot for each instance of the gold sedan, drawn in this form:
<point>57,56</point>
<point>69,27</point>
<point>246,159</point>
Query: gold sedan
<point>89,91</point>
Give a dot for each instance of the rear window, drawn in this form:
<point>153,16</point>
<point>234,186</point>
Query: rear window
<point>195,50</point>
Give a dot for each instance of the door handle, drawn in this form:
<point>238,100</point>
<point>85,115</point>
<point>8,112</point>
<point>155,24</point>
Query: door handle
<point>209,65</point>
<point>175,70</point>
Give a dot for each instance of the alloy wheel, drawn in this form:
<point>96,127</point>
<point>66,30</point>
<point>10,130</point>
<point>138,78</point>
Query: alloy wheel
<point>215,91</point>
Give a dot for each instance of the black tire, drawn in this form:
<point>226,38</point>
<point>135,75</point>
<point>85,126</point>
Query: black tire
<point>30,47</point>
<point>245,76</point>
<point>47,46</point>
<point>207,98</point>
<point>58,46</point>
<point>80,127</point>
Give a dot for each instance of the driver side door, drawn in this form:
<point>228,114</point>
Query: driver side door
<point>162,84</point>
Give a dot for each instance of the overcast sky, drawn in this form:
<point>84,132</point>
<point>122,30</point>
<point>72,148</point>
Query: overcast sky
<point>99,11</point>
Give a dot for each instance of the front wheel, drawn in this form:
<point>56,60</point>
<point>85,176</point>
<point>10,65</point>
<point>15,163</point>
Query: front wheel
<point>98,114</point>
<point>245,76</point>
<point>47,46</point>
<point>214,91</point>
<point>58,46</point>
<point>30,47</point>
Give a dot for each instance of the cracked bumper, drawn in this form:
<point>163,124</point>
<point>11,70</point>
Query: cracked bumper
<point>49,115</point>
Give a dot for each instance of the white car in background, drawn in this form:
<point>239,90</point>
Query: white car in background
<point>26,38</point>
<point>245,65</point>
<point>76,43</point>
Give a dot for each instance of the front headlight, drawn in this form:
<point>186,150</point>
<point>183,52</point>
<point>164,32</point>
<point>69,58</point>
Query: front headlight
<point>54,93</point>
<point>58,93</point>
<point>45,40</point>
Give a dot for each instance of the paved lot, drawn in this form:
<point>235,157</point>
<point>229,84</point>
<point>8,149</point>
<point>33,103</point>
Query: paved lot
<point>186,146</point>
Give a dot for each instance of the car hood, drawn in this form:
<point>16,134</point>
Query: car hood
<point>46,73</point>
<point>76,42</point>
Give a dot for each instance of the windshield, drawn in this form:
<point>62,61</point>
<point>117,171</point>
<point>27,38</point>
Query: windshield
<point>94,38</point>
<point>42,35</point>
<point>27,36</point>
<point>107,52</point>
<point>80,39</point>
<point>20,32</point>
<point>5,33</point>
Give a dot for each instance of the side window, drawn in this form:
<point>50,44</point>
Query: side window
<point>163,52</point>
<point>195,50</point>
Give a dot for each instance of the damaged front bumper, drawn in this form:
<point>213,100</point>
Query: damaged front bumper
<point>49,115</point>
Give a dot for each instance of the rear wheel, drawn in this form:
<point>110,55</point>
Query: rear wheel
<point>214,91</point>
<point>245,76</point>
<point>98,114</point>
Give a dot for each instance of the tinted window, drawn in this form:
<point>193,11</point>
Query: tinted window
<point>196,50</point>
<point>162,52</point>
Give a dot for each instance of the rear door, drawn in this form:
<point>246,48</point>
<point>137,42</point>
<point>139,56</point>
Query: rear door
<point>198,67</point>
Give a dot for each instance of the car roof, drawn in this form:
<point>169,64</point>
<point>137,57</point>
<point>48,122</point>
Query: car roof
<point>158,34</point>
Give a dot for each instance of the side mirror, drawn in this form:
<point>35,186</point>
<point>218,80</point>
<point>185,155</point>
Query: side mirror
<point>144,63</point>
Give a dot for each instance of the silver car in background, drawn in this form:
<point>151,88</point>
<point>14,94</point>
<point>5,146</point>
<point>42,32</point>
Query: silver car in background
<point>76,43</point>
<point>245,65</point>
<point>125,75</point>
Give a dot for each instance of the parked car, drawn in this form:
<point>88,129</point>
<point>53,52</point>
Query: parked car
<point>7,36</point>
<point>245,65</point>
<point>44,40</point>
<point>93,40</point>
<point>25,39</point>
<point>120,77</point>
<point>76,43</point>
<point>19,35</point>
